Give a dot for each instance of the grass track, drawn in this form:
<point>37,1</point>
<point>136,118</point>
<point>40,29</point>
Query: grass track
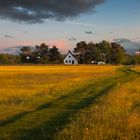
<point>115,116</point>
<point>23,126</point>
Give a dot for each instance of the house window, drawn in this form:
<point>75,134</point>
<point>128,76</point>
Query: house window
<point>69,61</point>
<point>66,61</point>
<point>69,56</point>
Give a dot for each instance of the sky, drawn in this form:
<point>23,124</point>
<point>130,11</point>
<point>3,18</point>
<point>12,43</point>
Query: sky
<point>65,22</point>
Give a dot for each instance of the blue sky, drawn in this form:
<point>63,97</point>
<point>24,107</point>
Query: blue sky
<point>110,20</point>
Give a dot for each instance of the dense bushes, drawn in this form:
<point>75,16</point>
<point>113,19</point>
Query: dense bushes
<point>9,59</point>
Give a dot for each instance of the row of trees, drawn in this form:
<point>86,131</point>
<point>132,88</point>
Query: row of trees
<point>42,54</point>
<point>110,53</point>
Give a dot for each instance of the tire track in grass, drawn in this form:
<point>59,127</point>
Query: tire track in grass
<point>62,109</point>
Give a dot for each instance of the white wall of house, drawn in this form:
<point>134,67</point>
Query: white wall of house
<point>70,59</point>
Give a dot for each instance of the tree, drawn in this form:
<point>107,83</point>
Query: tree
<point>41,54</point>
<point>54,55</point>
<point>104,51</point>
<point>90,51</point>
<point>98,54</point>
<point>26,54</point>
<point>105,48</point>
<point>93,52</point>
<point>118,54</point>
<point>81,49</point>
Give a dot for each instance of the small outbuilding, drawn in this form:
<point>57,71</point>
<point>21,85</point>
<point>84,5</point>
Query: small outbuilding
<point>101,63</point>
<point>98,62</point>
<point>70,59</point>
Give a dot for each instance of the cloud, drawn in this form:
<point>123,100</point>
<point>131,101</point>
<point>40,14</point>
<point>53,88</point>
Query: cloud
<point>61,44</point>
<point>130,45</point>
<point>72,39</point>
<point>35,11</point>
<point>89,32</point>
<point>8,36</point>
<point>12,50</point>
<point>25,32</point>
<point>80,23</point>
<point>75,23</point>
<point>136,38</point>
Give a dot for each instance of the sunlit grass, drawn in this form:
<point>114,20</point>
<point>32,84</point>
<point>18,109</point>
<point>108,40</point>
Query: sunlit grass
<point>137,68</point>
<point>36,100</point>
<point>116,116</point>
<point>26,87</point>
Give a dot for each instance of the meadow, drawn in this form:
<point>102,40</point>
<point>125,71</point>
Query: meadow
<point>67,102</point>
<point>115,116</point>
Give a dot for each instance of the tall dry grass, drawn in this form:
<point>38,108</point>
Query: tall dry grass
<point>137,68</point>
<point>23,88</point>
<point>114,117</point>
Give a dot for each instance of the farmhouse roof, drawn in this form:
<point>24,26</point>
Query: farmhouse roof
<point>70,53</point>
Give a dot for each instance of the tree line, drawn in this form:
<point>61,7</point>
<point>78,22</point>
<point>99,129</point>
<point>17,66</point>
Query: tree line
<point>42,54</point>
<point>108,52</point>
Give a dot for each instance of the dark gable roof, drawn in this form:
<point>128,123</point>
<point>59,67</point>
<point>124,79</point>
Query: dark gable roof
<point>70,53</point>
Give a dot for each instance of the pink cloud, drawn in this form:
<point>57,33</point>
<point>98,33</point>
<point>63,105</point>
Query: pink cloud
<point>62,44</point>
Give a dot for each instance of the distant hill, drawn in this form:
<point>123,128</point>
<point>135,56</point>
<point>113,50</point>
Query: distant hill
<point>12,50</point>
<point>130,46</point>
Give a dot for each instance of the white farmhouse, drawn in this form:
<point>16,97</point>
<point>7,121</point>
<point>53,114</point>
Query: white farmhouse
<point>70,59</point>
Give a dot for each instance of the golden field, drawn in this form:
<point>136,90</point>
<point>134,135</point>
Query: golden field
<point>37,101</point>
<point>116,116</point>
<point>20,84</point>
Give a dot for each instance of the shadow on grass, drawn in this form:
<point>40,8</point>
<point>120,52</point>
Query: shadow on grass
<point>21,115</point>
<point>13,118</point>
<point>48,129</point>
<point>59,122</point>
<point>16,117</point>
